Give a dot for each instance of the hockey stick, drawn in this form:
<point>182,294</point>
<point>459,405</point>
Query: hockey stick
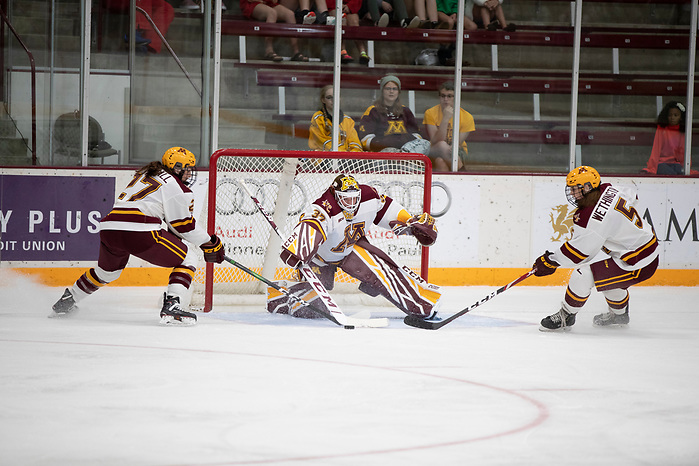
<point>283,290</point>
<point>415,321</point>
<point>315,282</point>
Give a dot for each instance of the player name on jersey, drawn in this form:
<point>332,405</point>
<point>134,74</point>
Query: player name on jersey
<point>604,203</point>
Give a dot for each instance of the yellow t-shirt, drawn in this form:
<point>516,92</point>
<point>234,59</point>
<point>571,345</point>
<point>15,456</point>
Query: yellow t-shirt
<point>433,116</point>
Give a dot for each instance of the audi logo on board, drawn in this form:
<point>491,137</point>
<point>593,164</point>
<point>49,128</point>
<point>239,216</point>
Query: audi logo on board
<point>231,198</point>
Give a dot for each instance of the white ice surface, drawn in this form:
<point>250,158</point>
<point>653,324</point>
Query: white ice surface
<point>109,386</point>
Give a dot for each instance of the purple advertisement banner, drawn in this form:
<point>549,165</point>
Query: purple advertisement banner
<point>52,218</point>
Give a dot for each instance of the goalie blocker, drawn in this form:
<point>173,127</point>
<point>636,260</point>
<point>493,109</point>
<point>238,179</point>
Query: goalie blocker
<point>332,234</point>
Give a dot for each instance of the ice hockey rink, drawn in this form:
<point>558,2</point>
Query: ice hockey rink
<point>109,386</point>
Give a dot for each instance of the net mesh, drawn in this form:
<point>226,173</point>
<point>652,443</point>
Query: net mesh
<point>285,185</point>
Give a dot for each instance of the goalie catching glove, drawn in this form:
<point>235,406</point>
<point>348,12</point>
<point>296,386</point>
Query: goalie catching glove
<point>544,265</point>
<point>213,250</point>
<point>422,227</point>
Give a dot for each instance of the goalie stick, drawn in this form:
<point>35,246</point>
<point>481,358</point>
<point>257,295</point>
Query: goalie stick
<point>415,321</point>
<point>283,290</point>
<point>340,317</point>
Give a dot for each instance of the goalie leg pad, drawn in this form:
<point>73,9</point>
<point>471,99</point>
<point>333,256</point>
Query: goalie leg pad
<point>279,303</point>
<point>379,274</point>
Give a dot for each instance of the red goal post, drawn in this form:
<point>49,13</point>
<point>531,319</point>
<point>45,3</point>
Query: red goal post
<point>286,182</point>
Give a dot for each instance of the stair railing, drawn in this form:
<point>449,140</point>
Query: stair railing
<point>32,84</point>
<point>169,49</point>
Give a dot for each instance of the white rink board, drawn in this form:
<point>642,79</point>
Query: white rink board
<point>498,220</point>
<point>507,221</point>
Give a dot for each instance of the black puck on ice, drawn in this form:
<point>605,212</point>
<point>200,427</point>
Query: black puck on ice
<point>349,327</point>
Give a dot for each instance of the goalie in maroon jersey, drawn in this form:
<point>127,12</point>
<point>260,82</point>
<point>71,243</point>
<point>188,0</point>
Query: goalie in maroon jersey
<point>332,234</point>
<point>150,220</point>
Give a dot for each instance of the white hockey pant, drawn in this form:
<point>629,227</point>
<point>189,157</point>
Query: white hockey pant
<point>580,286</point>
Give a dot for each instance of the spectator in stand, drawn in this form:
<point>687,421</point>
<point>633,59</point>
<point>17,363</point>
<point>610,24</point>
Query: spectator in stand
<point>667,155</point>
<point>447,11</point>
<point>160,11</point>
<point>439,125</point>
<point>491,14</point>
<point>426,10</point>
<point>381,12</point>
<point>271,11</point>
<point>321,133</point>
<point>197,5</point>
<point>350,13</point>
<point>303,12</point>
<point>388,126</point>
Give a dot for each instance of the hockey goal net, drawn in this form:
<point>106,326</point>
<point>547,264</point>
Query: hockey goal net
<point>285,183</point>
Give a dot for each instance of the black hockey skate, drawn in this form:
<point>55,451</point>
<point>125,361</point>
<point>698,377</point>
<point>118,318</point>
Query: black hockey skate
<point>560,321</point>
<point>173,314</point>
<point>609,318</point>
<point>64,306</point>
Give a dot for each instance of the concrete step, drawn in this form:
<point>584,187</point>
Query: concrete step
<point>14,151</point>
<point>7,127</point>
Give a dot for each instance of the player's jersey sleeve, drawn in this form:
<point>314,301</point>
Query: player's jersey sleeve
<point>178,207</point>
<point>613,226</point>
<point>388,211</point>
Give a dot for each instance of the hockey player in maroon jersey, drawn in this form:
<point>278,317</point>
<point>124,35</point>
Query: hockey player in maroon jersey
<point>150,220</point>
<point>606,220</point>
<point>332,234</point>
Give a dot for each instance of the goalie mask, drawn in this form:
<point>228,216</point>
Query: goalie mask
<point>579,182</point>
<point>347,193</point>
<point>182,163</point>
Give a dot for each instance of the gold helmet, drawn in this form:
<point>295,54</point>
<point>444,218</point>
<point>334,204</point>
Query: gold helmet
<point>347,193</point>
<point>580,181</point>
<point>182,162</point>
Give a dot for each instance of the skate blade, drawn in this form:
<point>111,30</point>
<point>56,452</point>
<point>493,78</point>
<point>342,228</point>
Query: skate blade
<point>173,322</point>
<point>62,315</point>
<point>554,330</point>
<point>610,325</point>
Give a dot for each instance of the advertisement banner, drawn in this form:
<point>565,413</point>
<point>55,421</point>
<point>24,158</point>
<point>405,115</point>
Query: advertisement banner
<point>52,218</point>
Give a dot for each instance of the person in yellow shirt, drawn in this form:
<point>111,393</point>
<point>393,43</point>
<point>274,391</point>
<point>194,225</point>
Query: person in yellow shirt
<point>439,122</point>
<point>321,131</point>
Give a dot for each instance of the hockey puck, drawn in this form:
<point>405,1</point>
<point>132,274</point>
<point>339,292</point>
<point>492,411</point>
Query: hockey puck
<point>349,327</point>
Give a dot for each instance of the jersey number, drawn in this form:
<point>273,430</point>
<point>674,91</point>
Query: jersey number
<point>630,213</point>
<point>151,187</point>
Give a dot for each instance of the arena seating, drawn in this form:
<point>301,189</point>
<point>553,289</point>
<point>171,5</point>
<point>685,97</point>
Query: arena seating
<point>613,85</point>
<point>559,36</point>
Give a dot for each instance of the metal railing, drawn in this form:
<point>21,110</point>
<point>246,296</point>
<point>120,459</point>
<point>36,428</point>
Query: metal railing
<point>32,84</point>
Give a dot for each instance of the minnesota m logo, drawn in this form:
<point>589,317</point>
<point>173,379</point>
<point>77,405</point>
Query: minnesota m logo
<point>396,127</point>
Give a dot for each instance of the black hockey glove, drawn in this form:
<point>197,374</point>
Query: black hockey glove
<point>213,250</point>
<point>544,265</point>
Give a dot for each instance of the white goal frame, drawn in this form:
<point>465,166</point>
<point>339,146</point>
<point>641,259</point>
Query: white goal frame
<point>226,166</point>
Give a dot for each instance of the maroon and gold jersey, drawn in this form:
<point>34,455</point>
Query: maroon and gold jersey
<point>151,203</point>
<point>328,233</point>
<point>614,226</point>
<point>378,130</point>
